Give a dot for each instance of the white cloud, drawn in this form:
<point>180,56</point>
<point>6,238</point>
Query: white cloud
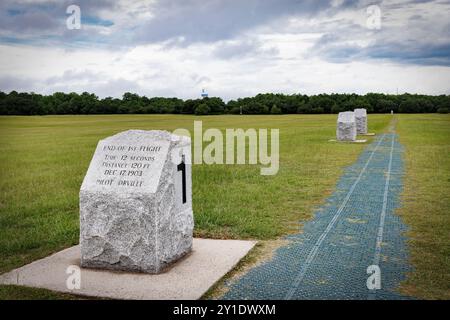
<point>155,70</point>
<point>322,51</point>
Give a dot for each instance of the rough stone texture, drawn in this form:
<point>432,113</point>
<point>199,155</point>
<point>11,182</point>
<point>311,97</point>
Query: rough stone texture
<point>132,218</point>
<point>346,126</point>
<point>361,121</point>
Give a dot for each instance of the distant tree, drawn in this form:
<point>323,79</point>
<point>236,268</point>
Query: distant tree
<point>265,109</point>
<point>424,106</point>
<point>62,107</point>
<point>444,104</point>
<point>235,109</point>
<point>253,107</point>
<point>409,105</point>
<point>385,106</point>
<point>46,105</point>
<point>320,104</point>
<point>177,105</point>
<point>190,106</point>
<point>337,108</point>
<point>202,109</point>
<point>216,105</point>
<point>130,97</point>
<point>22,103</point>
<point>108,106</point>
<point>356,103</point>
<point>230,106</point>
<point>76,104</point>
<point>304,108</point>
<point>275,110</point>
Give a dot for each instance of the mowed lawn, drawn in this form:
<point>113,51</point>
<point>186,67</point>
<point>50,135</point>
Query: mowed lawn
<point>426,203</point>
<point>44,160</point>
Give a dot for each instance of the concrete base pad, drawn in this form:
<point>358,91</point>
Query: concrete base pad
<point>370,134</point>
<point>355,141</point>
<point>188,279</point>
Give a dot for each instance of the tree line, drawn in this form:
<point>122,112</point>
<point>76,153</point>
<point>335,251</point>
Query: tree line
<point>15,103</point>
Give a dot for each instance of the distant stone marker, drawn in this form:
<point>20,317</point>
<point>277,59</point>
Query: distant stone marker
<point>346,126</point>
<point>136,202</point>
<point>361,121</point>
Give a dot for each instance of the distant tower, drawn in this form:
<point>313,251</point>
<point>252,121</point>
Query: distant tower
<point>204,93</point>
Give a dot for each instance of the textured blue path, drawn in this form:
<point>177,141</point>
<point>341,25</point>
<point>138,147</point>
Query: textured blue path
<point>356,228</point>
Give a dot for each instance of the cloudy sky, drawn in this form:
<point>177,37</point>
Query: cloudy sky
<point>233,48</point>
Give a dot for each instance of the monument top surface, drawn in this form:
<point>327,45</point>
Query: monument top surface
<point>360,112</point>
<point>347,116</point>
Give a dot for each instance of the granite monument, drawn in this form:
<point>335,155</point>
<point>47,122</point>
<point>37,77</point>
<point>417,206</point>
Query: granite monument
<point>136,202</point>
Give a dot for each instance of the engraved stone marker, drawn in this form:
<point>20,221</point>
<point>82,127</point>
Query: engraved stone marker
<point>136,202</point>
<point>361,121</point>
<point>346,126</point>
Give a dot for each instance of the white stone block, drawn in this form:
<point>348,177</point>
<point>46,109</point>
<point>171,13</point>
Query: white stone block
<point>361,121</point>
<point>136,202</point>
<point>346,126</point>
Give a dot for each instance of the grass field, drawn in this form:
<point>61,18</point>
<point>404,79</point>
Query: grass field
<point>44,160</point>
<point>426,203</point>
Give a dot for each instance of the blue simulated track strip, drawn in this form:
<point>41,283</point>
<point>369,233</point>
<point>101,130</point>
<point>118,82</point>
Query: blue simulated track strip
<point>356,228</point>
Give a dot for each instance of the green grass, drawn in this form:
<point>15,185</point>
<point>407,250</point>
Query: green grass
<point>44,160</point>
<point>426,203</point>
<point>24,293</point>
